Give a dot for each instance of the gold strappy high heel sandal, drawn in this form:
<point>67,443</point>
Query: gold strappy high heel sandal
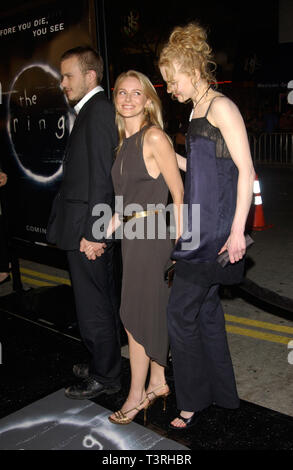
<point>155,396</point>
<point>122,418</point>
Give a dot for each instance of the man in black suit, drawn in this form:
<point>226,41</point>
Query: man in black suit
<point>4,250</point>
<point>86,182</point>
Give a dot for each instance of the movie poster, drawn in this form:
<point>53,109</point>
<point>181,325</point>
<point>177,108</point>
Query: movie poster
<point>35,116</point>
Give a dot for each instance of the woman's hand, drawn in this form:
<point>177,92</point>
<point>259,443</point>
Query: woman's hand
<point>236,247</point>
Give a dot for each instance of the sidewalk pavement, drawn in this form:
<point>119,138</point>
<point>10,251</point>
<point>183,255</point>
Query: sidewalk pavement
<point>270,259</point>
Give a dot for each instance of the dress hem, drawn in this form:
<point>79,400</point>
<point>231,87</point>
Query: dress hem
<point>141,343</point>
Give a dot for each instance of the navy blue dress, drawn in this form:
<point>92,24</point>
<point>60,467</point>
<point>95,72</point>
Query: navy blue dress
<point>202,365</point>
<point>210,181</point>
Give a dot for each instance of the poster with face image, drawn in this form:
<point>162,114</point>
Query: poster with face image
<point>34,112</point>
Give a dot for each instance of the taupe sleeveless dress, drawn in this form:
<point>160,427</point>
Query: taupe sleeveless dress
<point>144,293</point>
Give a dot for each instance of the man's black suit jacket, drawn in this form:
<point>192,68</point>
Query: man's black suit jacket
<point>86,174</point>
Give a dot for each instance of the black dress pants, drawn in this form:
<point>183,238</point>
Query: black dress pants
<point>97,313</point>
<point>202,365</point>
<point>4,250</point>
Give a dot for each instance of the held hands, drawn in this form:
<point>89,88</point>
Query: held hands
<point>92,250</point>
<point>236,247</point>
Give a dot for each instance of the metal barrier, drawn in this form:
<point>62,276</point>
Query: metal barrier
<point>271,148</point>
<point>275,147</point>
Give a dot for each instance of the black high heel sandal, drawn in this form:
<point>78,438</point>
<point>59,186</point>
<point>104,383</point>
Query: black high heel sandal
<point>189,422</point>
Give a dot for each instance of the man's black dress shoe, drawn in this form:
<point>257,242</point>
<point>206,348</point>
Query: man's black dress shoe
<point>90,388</point>
<point>189,422</point>
<point>81,371</point>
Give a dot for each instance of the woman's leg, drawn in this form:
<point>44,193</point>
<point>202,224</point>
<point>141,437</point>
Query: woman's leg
<point>198,337</point>
<point>157,384</point>
<point>216,351</point>
<point>216,354</point>
<point>139,365</point>
<point>192,386</point>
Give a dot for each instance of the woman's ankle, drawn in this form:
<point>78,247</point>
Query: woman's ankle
<point>186,414</point>
<point>136,396</point>
<point>157,387</point>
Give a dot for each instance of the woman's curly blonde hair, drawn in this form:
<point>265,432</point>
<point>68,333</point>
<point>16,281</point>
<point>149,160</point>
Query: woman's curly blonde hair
<point>187,45</point>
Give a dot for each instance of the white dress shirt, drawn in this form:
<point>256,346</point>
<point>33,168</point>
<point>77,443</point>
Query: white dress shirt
<point>91,93</point>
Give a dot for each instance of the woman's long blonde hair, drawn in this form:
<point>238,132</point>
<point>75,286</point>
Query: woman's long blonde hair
<point>153,112</point>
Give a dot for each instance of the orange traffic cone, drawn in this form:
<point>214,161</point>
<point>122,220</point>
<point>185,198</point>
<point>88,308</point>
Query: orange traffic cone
<point>256,219</point>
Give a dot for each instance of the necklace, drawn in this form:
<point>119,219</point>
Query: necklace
<point>201,97</point>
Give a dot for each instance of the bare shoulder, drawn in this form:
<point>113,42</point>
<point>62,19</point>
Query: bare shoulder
<point>222,103</point>
<point>154,136</point>
<point>156,142</point>
<point>223,109</point>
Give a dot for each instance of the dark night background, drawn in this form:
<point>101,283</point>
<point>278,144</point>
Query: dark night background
<point>244,36</point>
<point>240,30</point>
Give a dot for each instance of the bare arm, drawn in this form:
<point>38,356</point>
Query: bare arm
<point>160,154</point>
<point>114,223</point>
<point>225,115</point>
<point>181,161</point>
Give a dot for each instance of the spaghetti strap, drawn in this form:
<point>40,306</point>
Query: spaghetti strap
<point>207,111</point>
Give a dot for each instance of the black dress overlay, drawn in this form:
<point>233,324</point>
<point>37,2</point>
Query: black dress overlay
<point>144,295</point>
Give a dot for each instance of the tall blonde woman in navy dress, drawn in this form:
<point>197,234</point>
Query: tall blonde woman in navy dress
<point>219,177</point>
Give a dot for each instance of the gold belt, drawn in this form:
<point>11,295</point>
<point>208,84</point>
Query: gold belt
<point>138,215</point>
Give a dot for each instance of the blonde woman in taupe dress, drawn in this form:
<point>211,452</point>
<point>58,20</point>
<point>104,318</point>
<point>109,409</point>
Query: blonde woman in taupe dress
<point>144,170</point>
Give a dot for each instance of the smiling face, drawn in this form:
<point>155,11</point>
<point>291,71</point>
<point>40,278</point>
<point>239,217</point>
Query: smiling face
<point>130,100</point>
<point>180,84</point>
<point>75,83</point>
